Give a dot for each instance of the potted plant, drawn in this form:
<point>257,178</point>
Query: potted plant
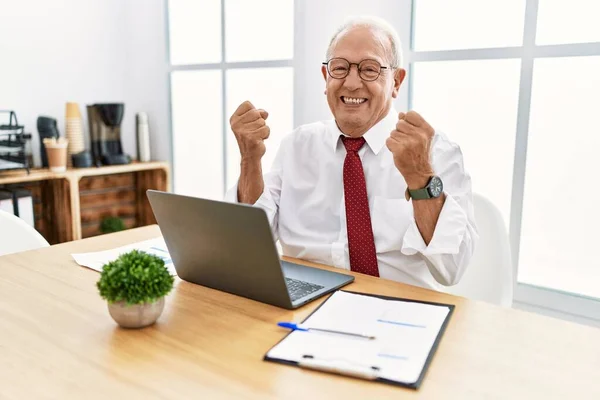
<point>112,224</point>
<point>134,285</point>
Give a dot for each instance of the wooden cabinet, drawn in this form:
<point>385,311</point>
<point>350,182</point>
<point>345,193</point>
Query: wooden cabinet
<point>71,205</point>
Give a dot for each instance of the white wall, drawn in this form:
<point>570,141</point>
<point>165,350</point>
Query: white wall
<point>55,51</point>
<point>316,22</point>
<point>147,74</point>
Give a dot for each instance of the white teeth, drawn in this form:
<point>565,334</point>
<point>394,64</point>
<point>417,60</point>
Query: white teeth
<point>353,100</point>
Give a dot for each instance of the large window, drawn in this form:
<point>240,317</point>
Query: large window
<point>516,84</point>
<point>223,52</point>
<point>560,213</point>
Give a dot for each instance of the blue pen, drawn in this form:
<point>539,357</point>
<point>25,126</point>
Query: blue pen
<point>299,327</point>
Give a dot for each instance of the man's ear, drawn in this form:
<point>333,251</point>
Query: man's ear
<point>399,76</point>
<point>324,71</point>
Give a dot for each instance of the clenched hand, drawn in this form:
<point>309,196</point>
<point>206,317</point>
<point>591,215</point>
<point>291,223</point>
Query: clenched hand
<point>410,144</point>
<point>250,129</point>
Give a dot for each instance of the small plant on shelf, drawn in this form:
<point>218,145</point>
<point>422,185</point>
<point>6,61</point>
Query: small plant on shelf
<point>135,285</point>
<point>112,224</point>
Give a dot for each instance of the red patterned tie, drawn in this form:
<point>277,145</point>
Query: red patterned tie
<point>361,243</point>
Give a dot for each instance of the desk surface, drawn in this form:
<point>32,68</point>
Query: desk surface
<point>57,340</point>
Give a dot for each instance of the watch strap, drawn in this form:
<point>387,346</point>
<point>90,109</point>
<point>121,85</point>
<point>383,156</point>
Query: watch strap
<point>418,194</point>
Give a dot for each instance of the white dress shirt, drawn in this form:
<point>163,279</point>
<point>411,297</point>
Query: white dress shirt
<point>304,200</point>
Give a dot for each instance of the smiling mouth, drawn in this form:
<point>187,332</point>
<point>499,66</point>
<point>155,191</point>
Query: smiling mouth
<point>354,101</point>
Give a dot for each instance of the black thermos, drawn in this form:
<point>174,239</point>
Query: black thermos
<point>47,129</point>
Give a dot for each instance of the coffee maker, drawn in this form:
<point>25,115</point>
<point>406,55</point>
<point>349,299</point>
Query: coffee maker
<point>105,133</point>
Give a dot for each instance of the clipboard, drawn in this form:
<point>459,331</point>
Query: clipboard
<point>368,372</point>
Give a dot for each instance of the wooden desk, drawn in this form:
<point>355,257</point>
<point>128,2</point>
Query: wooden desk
<point>57,340</point>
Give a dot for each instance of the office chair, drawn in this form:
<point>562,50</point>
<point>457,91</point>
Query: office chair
<point>16,235</point>
<point>489,276</point>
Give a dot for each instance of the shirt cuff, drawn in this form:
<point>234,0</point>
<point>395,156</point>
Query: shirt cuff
<point>231,195</point>
<point>447,237</point>
<point>264,201</point>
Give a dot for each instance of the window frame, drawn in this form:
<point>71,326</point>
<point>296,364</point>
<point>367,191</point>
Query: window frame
<point>223,66</point>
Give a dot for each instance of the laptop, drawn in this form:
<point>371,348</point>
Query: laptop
<point>230,247</point>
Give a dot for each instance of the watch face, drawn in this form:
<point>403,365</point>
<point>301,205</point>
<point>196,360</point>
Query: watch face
<point>436,187</point>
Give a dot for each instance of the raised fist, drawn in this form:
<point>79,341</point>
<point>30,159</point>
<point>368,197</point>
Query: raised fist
<point>250,129</point>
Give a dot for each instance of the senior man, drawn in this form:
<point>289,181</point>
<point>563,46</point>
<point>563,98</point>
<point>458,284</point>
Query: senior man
<point>372,190</point>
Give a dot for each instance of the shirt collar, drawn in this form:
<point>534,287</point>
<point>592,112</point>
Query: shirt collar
<point>375,137</point>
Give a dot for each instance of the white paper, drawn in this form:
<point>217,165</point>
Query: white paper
<point>97,259</point>
<point>404,335</point>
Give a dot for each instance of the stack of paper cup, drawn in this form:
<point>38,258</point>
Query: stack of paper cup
<point>74,130</point>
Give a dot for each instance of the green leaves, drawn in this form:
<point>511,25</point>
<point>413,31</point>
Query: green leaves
<point>135,277</point>
<point>112,224</point>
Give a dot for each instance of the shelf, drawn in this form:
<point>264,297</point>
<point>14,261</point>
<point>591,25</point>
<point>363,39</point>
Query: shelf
<point>70,205</point>
<point>38,174</point>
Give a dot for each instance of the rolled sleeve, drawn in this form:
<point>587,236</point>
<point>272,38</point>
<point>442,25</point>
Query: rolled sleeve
<point>231,196</point>
<point>269,199</point>
<point>447,237</point>
<point>451,247</point>
<point>266,201</point>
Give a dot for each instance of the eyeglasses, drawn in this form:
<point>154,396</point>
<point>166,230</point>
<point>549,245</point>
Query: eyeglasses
<point>368,70</point>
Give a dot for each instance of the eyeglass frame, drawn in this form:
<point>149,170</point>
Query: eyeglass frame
<point>350,64</point>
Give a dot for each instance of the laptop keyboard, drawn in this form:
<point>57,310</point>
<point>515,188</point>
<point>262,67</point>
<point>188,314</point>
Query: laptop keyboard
<point>299,289</point>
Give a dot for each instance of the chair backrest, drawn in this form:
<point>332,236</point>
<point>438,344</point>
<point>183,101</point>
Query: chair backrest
<point>489,276</point>
<point>17,235</point>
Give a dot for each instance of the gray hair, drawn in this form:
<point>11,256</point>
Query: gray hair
<point>377,25</point>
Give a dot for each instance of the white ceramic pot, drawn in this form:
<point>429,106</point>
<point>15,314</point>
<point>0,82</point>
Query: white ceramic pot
<point>136,315</point>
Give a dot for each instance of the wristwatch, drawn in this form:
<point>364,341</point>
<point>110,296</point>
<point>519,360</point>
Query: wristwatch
<point>432,190</point>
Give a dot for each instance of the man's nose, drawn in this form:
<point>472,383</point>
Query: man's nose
<point>353,81</point>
